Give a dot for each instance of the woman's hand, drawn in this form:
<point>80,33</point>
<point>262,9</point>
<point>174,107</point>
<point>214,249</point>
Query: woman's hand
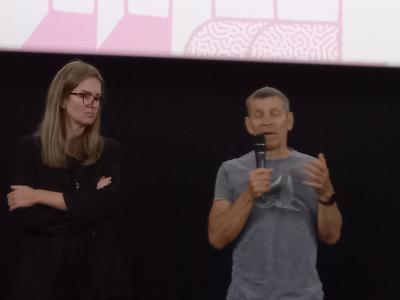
<point>103,182</point>
<point>21,196</point>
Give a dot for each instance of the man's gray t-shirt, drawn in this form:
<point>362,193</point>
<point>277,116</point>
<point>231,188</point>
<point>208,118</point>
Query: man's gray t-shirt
<point>274,256</point>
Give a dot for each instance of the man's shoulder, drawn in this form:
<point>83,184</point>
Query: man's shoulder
<point>301,157</point>
<point>239,162</point>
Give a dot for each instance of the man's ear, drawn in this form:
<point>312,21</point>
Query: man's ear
<point>290,120</point>
<point>248,126</point>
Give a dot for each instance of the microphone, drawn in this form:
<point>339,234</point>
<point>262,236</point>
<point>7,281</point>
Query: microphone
<point>260,148</point>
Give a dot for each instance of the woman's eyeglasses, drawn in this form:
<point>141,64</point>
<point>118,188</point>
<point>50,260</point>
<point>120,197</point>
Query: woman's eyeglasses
<point>87,98</point>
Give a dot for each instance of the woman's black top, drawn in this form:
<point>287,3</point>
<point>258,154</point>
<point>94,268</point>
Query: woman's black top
<point>84,233</point>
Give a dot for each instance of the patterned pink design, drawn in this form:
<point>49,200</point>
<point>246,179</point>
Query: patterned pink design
<point>308,42</point>
<point>230,38</point>
<point>285,40</point>
<point>64,32</point>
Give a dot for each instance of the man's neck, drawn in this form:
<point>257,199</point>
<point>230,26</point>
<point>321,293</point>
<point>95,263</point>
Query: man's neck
<point>278,153</point>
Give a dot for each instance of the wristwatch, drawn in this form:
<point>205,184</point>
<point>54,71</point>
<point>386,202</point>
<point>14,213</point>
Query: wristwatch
<point>330,202</point>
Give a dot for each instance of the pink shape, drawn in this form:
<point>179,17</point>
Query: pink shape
<point>64,32</point>
<point>268,38</point>
<point>297,41</point>
<point>223,37</point>
<point>305,41</point>
<point>136,34</point>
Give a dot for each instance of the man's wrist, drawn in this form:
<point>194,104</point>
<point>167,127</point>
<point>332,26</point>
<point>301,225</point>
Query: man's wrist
<point>248,196</point>
<point>331,200</point>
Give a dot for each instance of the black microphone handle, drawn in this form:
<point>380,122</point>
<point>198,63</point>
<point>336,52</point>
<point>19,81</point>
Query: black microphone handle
<point>261,159</point>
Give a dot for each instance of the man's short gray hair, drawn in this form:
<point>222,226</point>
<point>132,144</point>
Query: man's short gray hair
<point>267,92</point>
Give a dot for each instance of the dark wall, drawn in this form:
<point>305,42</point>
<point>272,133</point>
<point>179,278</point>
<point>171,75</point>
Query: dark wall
<point>177,120</point>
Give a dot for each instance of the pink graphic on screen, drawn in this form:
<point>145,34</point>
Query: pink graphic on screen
<point>76,32</point>
<point>211,38</point>
<point>300,41</point>
<point>64,31</point>
<point>140,35</point>
<point>268,39</point>
<point>224,36</point>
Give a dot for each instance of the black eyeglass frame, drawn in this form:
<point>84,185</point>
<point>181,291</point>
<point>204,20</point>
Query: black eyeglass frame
<point>84,95</point>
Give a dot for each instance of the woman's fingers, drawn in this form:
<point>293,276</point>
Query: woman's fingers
<point>103,182</point>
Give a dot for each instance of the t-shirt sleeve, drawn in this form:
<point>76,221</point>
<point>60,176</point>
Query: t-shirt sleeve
<point>223,187</point>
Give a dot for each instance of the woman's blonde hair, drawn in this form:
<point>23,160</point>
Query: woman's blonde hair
<point>52,132</point>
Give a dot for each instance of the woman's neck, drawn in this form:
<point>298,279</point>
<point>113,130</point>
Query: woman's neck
<point>73,129</point>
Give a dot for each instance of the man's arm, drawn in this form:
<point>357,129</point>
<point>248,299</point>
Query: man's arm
<point>226,219</point>
<point>329,223</point>
<point>329,216</point>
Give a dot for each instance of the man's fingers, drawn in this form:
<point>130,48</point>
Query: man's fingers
<point>313,184</point>
<point>262,170</point>
<point>313,169</point>
<point>260,187</point>
<point>259,180</point>
<point>320,165</point>
<point>321,158</point>
<point>317,166</point>
<point>258,192</point>
<point>260,174</point>
<point>313,177</point>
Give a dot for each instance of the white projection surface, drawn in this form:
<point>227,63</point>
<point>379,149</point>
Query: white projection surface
<point>357,32</point>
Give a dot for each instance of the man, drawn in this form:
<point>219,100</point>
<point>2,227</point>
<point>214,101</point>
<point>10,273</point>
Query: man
<point>274,215</point>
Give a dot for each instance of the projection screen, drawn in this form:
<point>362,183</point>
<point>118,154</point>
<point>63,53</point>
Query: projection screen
<point>357,32</point>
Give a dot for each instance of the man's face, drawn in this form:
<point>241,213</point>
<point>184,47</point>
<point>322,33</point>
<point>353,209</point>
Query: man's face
<point>269,116</point>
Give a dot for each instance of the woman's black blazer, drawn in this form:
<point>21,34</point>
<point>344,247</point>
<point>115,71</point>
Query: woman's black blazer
<point>44,227</point>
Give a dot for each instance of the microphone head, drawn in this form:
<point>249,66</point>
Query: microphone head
<point>260,143</point>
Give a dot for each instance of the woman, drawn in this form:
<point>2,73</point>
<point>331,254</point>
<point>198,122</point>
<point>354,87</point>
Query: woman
<point>66,189</point>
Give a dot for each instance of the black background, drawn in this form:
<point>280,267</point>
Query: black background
<point>177,120</point>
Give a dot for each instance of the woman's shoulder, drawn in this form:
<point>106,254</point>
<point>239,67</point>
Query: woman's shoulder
<point>110,143</point>
<point>29,142</point>
<point>110,146</point>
